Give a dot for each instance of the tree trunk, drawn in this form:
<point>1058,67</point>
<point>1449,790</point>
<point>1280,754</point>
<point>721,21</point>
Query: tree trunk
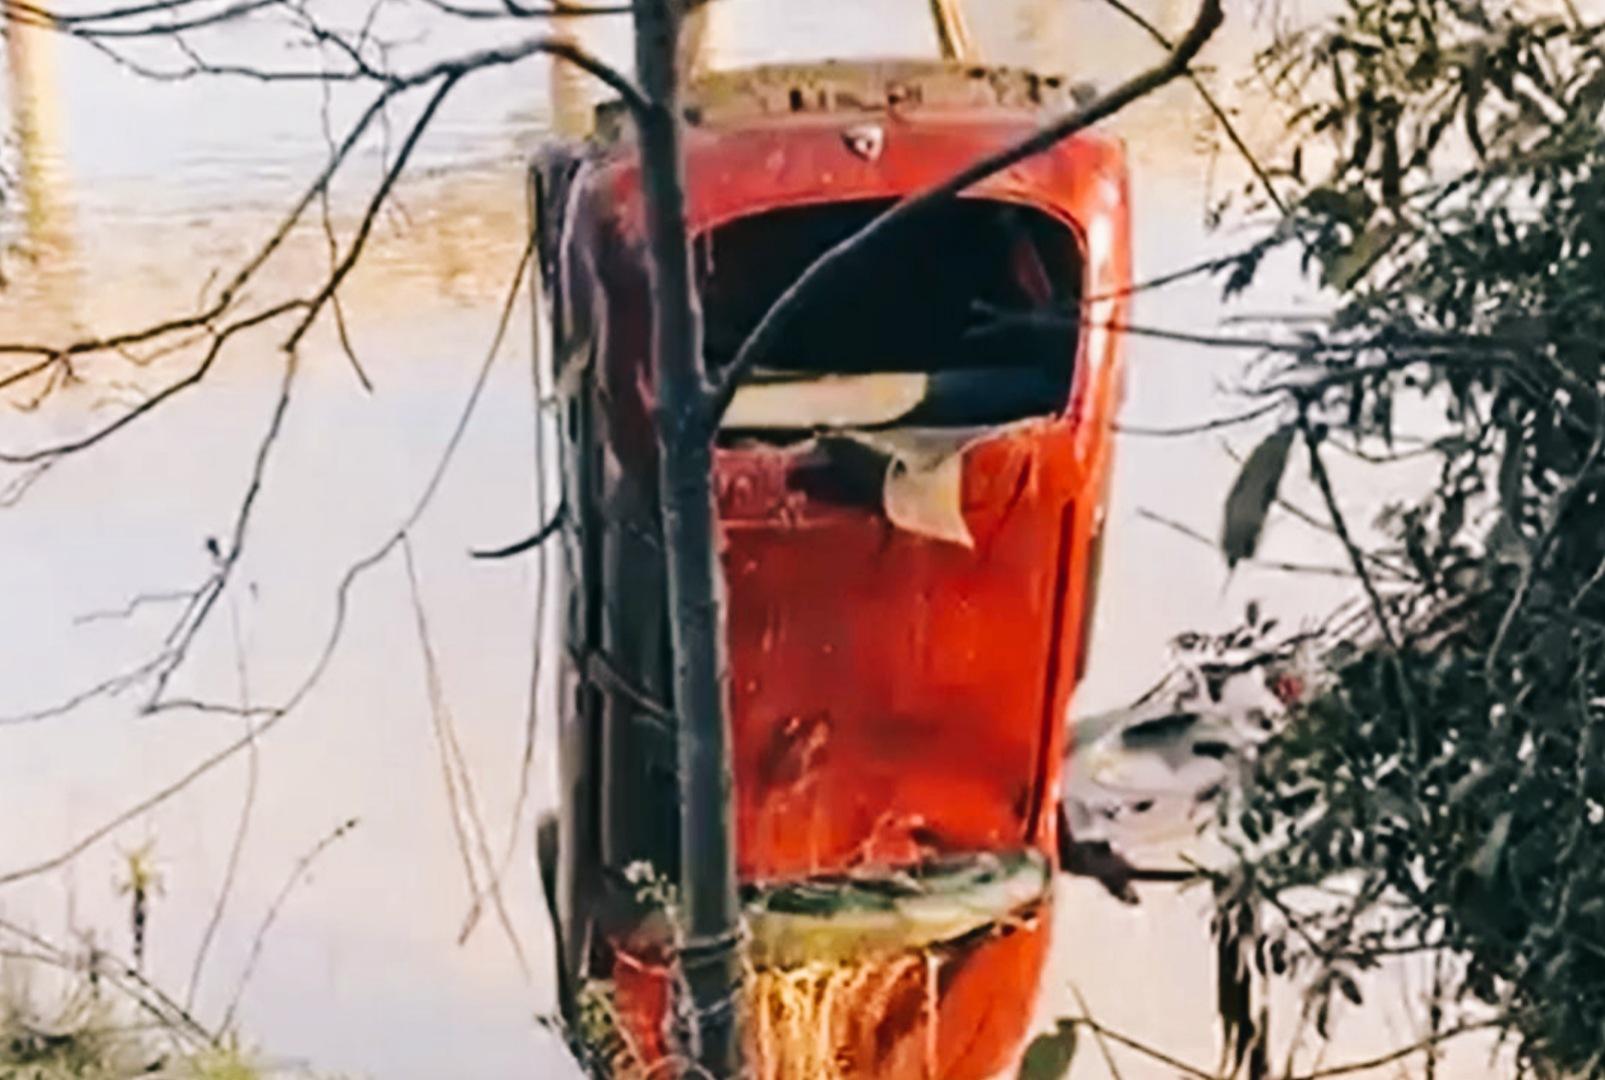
<point>953,31</point>
<point>710,908</point>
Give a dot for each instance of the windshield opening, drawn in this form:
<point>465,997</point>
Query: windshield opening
<point>963,317</point>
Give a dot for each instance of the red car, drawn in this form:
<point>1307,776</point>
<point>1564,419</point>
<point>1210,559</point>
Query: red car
<point>911,495</point>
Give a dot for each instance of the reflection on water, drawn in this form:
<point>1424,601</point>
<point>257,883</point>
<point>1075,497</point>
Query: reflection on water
<point>154,186</point>
<point>43,211</point>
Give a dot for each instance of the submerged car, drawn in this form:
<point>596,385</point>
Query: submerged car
<point>911,493</point>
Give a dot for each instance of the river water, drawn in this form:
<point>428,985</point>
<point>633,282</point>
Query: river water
<point>153,185</point>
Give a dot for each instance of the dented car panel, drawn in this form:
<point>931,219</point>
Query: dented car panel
<point>909,497</point>
<point>894,694</point>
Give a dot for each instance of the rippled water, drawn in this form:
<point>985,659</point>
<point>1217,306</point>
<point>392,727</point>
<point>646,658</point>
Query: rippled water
<point>154,186</point>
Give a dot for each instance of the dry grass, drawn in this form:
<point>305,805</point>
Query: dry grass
<point>65,1026</point>
<point>820,1020</point>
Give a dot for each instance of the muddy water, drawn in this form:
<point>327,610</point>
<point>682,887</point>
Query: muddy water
<point>154,185</point>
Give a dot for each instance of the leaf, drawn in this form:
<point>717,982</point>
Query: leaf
<point>1350,206</point>
<point>1453,517</point>
<point>1242,275</point>
<point>1485,864</point>
<point>1472,81</point>
<point>1234,990</point>
<point>1506,536</point>
<point>1391,173</point>
<point>1468,784</point>
<point>1050,1055</point>
<point>1343,267</point>
<point>1251,496</point>
<point>1348,988</point>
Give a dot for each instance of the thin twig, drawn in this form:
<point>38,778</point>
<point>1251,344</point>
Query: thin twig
<point>511,11</point>
<point>445,730</point>
<point>34,16</point>
<point>19,486</point>
<point>450,70</point>
<point>526,766</point>
<point>1210,102</point>
<point>142,600</point>
<point>359,240</point>
<point>143,806</point>
<point>1199,428</point>
<point>1541,550</point>
<point>1379,611</point>
<point>1173,277</point>
<point>149,996</point>
<point>1323,483</point>
<point>529,543</point>
<point>1097,1034</point>
<point>1425,1045</point>
<point>302,867</point>
<point>341,330</point>
<point>189,625</point>
<point>274,715</point>
<point>243,825</point>
<point>1264,564</point>
<point>459,830</point>
<point>1304,517</point>
<point>104,15</point>
<point>156,400</point>
<point>196,616</point>
<point>109,687</point>
<point>1140,1047</point>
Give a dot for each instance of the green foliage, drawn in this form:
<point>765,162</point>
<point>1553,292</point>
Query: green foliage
<point>67,1028</point>
<point>1050,1054</point>
<point>79,1038</point>
<point>1251,496</point>
<point>58,1024</point>
<point>1453,788</point>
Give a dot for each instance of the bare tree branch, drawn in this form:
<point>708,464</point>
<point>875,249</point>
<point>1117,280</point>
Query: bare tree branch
<point>104,15</point>
<point>1424,1046</point>
<point>529,543</point>
<point>270,716</point>
<point>1104,1032</point>
<point>1199,428</point>
<point>1323,483</point>
<point>452,751</point>
<point>447,73</point>
<point>166,393</point>
<point>1542,549</point>
<point>121,974</point>
<point>532,705</point>
<point>242,826</point>
<point>31,15</point>
<point>302,867</point>
<point>512,10</point>
<point>156,798</point>
<point>326,213</point>
<point>140,601</point>
<point>1210,102</point>
<point>1265,564</point>
<point>1098,1035</point>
